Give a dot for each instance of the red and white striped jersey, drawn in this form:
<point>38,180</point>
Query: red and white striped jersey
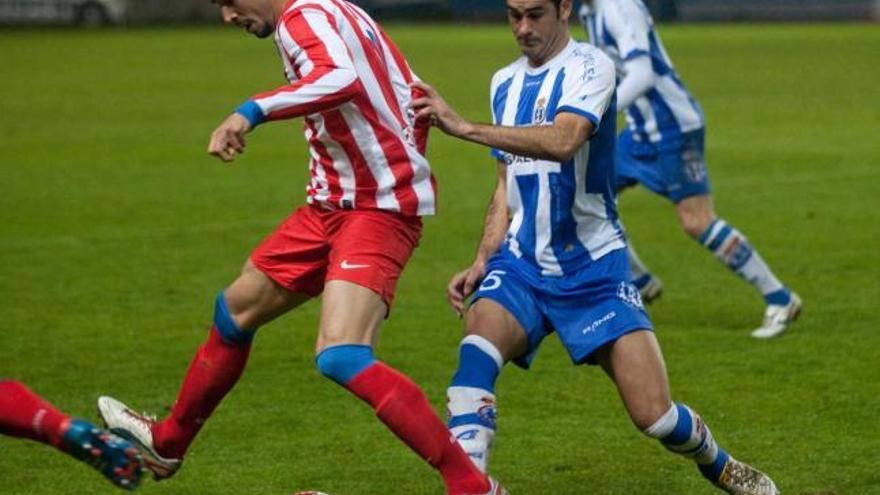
<point>351,83</point>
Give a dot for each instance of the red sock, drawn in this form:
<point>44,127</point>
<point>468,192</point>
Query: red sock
<point>25,414</point>
<point>213,372</point>
<point>403,407</point>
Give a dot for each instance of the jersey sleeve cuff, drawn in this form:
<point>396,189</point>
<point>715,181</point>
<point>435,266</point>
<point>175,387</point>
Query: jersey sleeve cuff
<point>252,112</point>
<point>583,113</point>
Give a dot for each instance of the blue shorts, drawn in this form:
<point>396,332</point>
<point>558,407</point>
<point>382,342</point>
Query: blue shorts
<point>675,172</point>
<point>587,309</point>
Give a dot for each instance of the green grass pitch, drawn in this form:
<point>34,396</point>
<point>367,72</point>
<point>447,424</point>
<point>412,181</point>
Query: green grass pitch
<point>116,231</point>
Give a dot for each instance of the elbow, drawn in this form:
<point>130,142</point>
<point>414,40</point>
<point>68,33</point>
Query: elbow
<point>565,151</point>
<point>567,137</point>
<point>348,83</point>
<point>336,84</point>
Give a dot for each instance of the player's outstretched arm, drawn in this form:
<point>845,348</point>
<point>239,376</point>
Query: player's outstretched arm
<point>557,142</point>
<point>327,77</point>
<point>227,140</point>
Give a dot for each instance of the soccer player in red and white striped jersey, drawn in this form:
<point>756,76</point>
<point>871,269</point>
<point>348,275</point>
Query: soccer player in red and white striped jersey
<point>370,185</point>
<point>351,83</point>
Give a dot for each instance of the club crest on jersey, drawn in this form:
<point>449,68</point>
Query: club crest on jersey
<point>409,135</point>
<point>540,111</point>
<point>629,294</point>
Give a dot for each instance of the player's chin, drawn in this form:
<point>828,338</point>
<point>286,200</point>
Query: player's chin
<point>529,48</point>
<point>262,31</point>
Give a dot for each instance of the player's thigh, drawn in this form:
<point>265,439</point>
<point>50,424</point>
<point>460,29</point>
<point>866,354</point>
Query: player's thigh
<point>368,252</point>
<point>350,314</point>
<point>371,249</point>
<point>492,321</point>
<point>513,300</point>
<point>635,364</point>
<point>254,299</point>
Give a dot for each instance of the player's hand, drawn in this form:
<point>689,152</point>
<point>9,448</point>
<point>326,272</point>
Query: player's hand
<point>463,284</point>
<point>430,105</point>
<point>227,140</point>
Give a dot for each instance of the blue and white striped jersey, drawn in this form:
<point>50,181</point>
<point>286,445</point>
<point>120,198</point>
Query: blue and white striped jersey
<point>563,215</point>
<point>623,29</point>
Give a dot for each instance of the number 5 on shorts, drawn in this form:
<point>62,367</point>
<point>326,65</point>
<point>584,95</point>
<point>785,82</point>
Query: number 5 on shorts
<point>492,280</point>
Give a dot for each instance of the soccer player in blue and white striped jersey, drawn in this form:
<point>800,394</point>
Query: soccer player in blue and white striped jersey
<point>552,258</point>
<point>662,149</point>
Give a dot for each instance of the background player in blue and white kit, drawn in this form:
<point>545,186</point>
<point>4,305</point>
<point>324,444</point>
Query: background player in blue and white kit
<point>558,262</point>
<point>662,149</point>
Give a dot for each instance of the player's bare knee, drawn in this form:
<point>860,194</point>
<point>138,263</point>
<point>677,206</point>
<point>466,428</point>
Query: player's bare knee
<point>649,415</point>
<point>506,336</point>
<point>233,328</point>
<point>695,213</point>
<point>694,223</point>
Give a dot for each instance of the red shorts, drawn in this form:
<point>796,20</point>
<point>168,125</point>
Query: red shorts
<point>365,247</point>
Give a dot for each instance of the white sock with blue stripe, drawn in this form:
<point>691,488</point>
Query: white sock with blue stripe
<point>734,250</point>
<point>683,431</point>
<point>471,398</point>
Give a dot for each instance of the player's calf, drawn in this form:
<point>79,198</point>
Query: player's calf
<point>402,406</point>
<point>471,420</point>
<point>471,404</point>
<point>214,370</point>
<point>681,430</point>
<point>733,249</point>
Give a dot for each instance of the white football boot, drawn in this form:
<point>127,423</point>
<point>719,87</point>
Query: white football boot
<point>777,318</point>
<point>123,421</point>
<point>739,478</point>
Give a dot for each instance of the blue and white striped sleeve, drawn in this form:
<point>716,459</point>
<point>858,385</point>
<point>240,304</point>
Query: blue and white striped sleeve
<point>589,86</point>
<point>496,107</point>
<point>630,24</point>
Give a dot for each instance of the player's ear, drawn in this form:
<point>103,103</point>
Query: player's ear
<point>563,9</point>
